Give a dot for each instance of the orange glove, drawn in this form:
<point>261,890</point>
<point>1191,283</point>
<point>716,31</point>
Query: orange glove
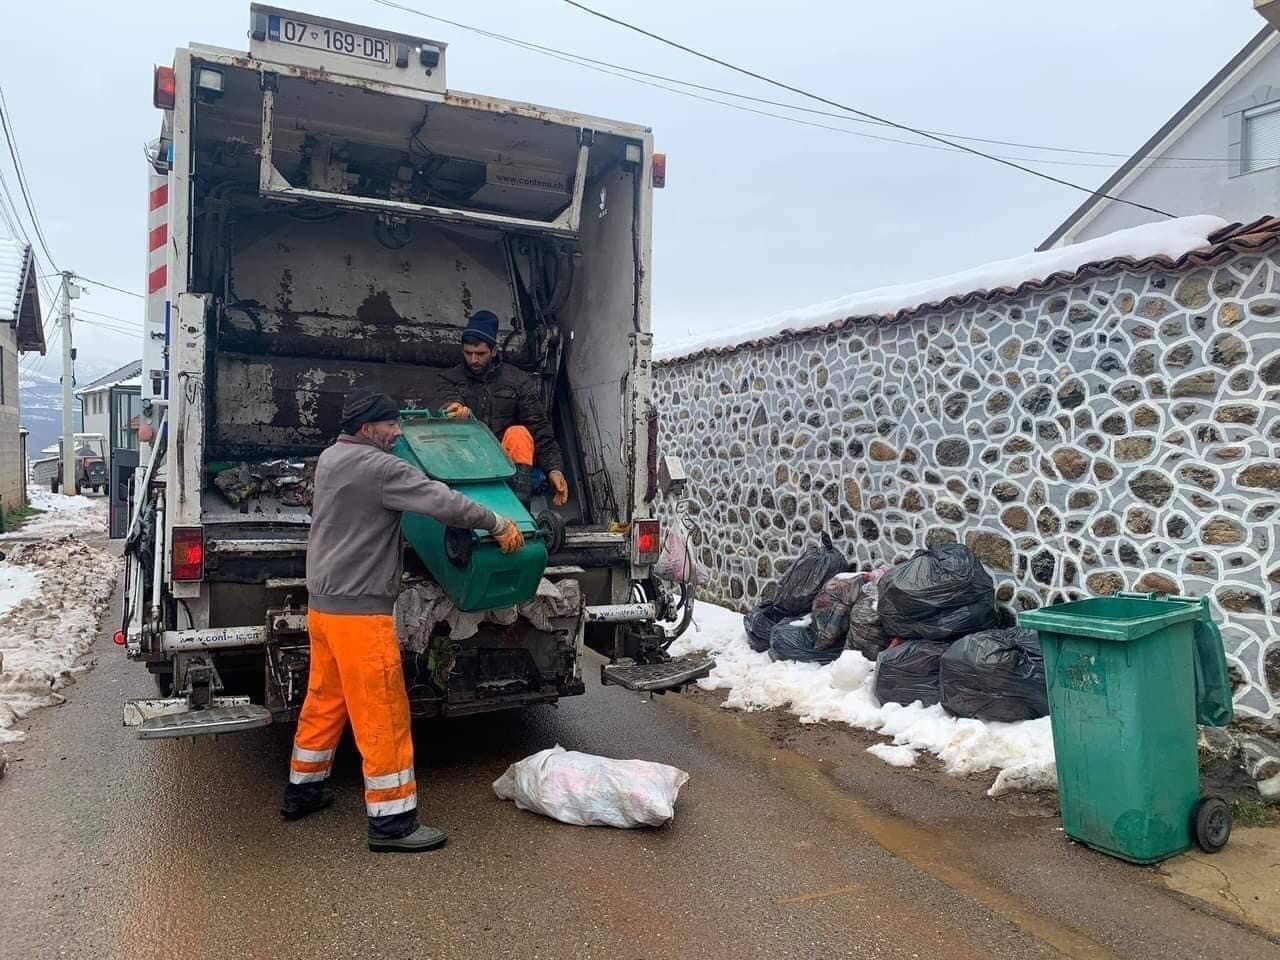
<point>560,486</point>
<point>456,411</point>
<point>508,535</point>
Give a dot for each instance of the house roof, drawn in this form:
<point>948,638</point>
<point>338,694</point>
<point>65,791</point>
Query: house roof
<point>131,371</point>
<point>19,294</point>
<point>1219,245</point>
<point>1266,37</point>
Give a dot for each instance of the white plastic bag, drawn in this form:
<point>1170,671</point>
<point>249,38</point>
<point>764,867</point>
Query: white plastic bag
<point>590,791</point>
<point>677,564</point>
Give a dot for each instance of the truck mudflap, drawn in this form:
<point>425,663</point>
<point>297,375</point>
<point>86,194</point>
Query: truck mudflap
<point>159,719</point>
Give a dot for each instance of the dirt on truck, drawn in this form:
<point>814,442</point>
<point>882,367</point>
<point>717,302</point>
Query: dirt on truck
<point>329,215</point>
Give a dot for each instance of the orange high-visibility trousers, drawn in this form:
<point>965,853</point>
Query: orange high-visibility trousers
<point>518,442</point>
<point>356,676</point>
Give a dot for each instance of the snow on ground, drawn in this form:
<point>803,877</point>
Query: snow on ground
<point>1170,238</point>
<point>62,515</point>
<point>55,583</point>
<point>16,584</point>
<point>843,692</point>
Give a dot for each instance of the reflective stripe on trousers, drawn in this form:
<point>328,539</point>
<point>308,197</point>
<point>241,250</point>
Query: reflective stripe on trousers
<point>356,675</point>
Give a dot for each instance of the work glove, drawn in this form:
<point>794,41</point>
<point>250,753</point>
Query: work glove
<point>456,411</point>
<point>560,486</point>
<point>508,535</point>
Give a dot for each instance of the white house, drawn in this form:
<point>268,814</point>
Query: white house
<point>21,331</point>
<point>1219,154</point>
<point>110,404</point>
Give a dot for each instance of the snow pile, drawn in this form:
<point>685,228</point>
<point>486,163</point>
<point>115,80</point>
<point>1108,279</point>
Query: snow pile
<point>843,692</point>
<point>1170,238</point>
<point>61,515</point>
<point>16,584</point>
<point>55,584</point>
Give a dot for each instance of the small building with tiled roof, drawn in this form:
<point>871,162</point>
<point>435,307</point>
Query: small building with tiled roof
<point>21,331</point>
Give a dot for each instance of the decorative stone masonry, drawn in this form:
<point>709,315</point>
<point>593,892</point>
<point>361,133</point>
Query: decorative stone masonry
<point>1117,432</point>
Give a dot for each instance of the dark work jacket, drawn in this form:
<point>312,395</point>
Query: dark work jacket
<point>502,397</point>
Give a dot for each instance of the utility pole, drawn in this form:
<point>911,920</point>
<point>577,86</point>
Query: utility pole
<point>68,427</point>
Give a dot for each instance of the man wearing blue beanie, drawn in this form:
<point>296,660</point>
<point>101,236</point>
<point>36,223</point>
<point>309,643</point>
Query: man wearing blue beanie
<point>506,399</point>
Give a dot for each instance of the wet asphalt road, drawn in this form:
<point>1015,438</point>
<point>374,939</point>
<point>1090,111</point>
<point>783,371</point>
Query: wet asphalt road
<point>114,848</point>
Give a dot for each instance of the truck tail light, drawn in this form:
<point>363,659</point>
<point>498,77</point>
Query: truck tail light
<point>119,638</point>
<point>164,89</point>
<point>188,553</point>
<point>659,171</point>
<point>646,542</point>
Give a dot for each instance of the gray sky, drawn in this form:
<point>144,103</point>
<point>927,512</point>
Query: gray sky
<point>759,215</point>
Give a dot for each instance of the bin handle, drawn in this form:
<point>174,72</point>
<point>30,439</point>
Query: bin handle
<point>1170,597</point>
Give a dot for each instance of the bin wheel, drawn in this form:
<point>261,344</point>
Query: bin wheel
<point>1211,824</point>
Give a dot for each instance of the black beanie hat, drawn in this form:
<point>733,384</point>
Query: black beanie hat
<point>483,325</point>
<point>366,406</point>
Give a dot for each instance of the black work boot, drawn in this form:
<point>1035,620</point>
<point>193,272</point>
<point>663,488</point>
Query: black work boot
<point>420,841</point>
<point>304,799</point>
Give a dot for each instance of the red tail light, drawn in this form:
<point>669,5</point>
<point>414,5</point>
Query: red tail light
<point>164,89</point>
<point>647,542</point>
<point>119,638</point>
<point>188,553</point>
<point>659,171</point>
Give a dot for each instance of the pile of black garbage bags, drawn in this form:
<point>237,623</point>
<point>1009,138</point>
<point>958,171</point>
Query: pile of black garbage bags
<point>930,623</point>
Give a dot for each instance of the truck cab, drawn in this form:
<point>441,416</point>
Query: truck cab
<point>325,214</point>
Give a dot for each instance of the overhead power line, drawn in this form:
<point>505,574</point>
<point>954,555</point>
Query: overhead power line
<point>635,75</point>
<point>907,128</point>
<point>123,321</point>
<point>23,187</point>
<point>99,283</point>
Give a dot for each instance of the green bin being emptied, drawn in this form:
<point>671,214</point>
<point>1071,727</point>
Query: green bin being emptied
<point>1129,676</point>
<point>468,564</point>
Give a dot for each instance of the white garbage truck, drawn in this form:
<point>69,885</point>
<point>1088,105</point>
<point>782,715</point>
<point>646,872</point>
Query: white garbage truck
<point>326,214</point>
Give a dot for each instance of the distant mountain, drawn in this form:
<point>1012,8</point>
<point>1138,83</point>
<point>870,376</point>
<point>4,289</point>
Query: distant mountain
<point>40,394</point>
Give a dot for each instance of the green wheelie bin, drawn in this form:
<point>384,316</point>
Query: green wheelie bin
<point>468,564</point>
<point>1129,677</point>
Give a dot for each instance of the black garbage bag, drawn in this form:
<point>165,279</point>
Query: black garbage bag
<point>831,608</point>
<point>807,575</point>
<point>995,675</point>
<point>865,634</point>
<point>909,672</point>
<point>760,623</point>
<point>791,641</point>
<point>938,594</point>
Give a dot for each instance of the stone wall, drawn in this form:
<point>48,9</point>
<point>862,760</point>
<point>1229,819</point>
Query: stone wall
<point>1118,433</point>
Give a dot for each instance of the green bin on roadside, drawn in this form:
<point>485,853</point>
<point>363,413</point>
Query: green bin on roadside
<point>1128,677</point>
<point>465,455</point>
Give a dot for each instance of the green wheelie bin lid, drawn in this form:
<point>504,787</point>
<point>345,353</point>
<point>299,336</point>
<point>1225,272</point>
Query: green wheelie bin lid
<point>1116,618</point>
<point>453,451</point>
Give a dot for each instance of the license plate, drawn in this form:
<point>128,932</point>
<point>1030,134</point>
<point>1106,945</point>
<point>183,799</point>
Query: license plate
<point>319,37</point>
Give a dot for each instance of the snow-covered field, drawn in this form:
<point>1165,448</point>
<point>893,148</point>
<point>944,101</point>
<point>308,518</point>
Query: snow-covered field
<point>55,582</point>
<point>843,692</point>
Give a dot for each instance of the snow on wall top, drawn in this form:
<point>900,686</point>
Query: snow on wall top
<point>1162,244</point>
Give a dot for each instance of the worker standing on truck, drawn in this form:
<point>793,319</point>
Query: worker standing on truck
<point>506,399</point>
<point>353,578</point>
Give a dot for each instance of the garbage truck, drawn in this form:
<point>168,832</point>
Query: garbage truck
<point>325,213</point>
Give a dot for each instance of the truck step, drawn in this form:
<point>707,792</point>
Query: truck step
<point>212,720</point>
<point>657,677</point>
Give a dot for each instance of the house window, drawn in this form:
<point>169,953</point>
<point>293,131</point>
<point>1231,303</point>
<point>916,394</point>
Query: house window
<point>1261,138</point>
